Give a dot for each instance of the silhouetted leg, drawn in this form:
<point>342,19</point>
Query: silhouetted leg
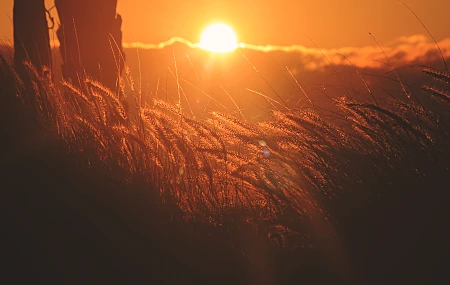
<point>31,37</point>
<point>91,40</point>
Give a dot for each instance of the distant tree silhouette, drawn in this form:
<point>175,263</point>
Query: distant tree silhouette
<point>31,37</point>
<point>91,40</point>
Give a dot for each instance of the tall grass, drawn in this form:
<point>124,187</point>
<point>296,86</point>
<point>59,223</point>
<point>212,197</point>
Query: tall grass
<point>301,179</point>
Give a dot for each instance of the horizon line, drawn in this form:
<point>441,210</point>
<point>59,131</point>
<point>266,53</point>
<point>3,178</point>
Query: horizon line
<point>394,43</point>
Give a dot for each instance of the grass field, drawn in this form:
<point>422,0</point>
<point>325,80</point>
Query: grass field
<point>97,189</point>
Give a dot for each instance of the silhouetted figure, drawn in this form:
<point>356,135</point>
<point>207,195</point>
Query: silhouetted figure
<point>91,40</point>
<point>31,37</point>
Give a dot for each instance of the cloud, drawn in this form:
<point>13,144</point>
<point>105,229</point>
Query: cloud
<point>398,52</point>
<point>167,43</point>
<point>401,51</point>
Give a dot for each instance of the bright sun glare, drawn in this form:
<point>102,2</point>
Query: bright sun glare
<point>218,38</point>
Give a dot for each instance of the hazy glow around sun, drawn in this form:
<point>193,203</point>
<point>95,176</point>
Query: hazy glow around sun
<point>218,38</point>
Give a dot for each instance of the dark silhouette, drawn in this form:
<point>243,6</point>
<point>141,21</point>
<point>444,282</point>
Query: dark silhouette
<point>31,38</point>
<point>91,40</point>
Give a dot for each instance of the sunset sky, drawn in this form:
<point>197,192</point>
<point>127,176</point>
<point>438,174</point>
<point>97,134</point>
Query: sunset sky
<point>330,23</point>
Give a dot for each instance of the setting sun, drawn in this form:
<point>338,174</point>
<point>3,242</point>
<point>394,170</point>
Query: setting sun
<point>218,38</point>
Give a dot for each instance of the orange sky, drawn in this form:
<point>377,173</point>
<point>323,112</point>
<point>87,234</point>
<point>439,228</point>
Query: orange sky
<point>330,23</point>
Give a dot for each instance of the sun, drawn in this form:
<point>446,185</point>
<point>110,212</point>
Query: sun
<point>218,38</point>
